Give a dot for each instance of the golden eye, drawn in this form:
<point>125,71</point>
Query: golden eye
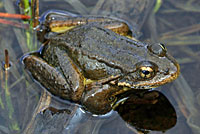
<point>146,72</point>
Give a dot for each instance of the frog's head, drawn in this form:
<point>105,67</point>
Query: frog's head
<point>157,69</point>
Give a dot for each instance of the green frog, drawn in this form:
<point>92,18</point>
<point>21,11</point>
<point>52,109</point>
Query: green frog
<point>92,60</point>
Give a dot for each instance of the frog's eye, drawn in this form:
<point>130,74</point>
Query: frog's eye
<point>146,70</point>
<point>158,49</point>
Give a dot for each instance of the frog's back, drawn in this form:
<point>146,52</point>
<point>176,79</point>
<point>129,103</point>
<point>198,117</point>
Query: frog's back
<point>103,45</point>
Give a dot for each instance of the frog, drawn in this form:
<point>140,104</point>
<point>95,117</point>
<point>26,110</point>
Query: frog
<point>92,60</point>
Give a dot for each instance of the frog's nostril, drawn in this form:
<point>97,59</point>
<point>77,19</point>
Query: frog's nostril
<point>166,72</point>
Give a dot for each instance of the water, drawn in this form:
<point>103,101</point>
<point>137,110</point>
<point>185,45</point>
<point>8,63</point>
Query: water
<point>175,24</point>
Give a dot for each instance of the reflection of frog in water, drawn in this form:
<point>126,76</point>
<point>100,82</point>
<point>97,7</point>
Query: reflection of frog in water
<point>92,61</point>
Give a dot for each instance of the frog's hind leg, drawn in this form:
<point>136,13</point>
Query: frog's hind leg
<point>53,22</point>
<point>71,72</point>
<point>52,79</point>
<point>47,76</point>
<point>59,58</point>
<point>118,26</point>
<point>59,22</point>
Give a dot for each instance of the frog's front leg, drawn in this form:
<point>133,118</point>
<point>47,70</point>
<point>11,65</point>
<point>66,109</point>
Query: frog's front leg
<point>99,96</point>
<point>67,86</point>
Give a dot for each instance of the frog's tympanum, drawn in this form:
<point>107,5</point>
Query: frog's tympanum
<point>92,60</point>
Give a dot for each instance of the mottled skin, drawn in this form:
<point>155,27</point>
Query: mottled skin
<point>90,64</point>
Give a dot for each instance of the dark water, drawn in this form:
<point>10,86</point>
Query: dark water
<point>175,24</point>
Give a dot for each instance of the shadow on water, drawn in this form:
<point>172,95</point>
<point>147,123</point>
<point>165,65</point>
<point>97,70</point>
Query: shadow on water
<point>174,23</point>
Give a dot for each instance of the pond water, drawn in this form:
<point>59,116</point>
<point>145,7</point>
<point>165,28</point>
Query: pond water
<point>174,23</point>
